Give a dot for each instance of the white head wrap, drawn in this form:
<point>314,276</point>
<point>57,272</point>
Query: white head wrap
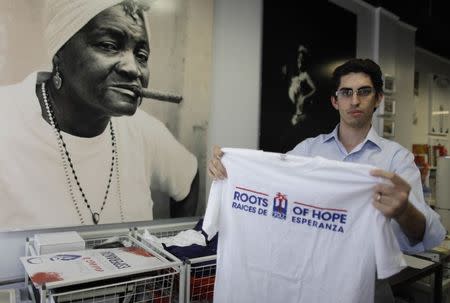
<point>64,18</point>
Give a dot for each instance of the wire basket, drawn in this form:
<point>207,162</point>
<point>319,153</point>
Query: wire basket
<point>200,273</point>
<point>147,285</point>
<point>155,288</point>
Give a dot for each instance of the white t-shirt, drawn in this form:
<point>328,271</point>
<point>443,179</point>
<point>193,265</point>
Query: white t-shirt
<point>298,230</point>
<point>33,189</point>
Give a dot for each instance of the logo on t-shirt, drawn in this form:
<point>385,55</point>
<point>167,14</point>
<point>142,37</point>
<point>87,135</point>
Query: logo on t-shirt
<point>280,205</point>
<point>250,201</point>
<point>332,219</point>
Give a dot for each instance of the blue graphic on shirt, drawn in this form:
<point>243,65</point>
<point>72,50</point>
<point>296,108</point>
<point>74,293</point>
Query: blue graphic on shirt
<point>250,201</point>
<point>318,217</point>
<point>280,205</point>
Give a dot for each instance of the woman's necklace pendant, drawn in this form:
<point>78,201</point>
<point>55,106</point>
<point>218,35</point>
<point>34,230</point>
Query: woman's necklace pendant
<point>95,218</point>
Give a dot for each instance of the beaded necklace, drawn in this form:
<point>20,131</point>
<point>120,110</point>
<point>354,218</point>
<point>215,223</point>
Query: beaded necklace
<point>67,162</point>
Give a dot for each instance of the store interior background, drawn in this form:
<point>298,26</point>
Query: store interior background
<point>231,109</point>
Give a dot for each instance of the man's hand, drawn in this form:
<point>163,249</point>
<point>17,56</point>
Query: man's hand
<point>216,170</point>
<point>392,201</point>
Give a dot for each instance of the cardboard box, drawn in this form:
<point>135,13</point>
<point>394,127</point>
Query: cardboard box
<point>58,242</point>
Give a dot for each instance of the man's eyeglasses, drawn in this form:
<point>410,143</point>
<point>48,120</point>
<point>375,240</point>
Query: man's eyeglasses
<point>347,93</point>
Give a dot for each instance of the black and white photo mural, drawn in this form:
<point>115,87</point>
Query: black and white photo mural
<point>302,43</point>
<point>66,66</point>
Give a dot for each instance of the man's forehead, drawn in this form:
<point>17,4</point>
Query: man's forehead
<point>355,80</point>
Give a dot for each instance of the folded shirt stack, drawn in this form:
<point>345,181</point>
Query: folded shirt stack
<point>186,244</point>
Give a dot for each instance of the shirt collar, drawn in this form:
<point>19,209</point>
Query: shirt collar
<point>372,136</point>
<point>333,134</point>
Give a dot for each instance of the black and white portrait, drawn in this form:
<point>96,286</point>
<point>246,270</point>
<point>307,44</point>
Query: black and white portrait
<point>302,43</point>
<point>71,76</point>
<point>301,87</point>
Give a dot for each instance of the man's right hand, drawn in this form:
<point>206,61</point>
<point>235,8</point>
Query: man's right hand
<point>216,170</point>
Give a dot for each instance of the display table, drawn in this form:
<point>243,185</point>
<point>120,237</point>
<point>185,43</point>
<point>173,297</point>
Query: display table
<point>439,256</point>
<point>410,275</point>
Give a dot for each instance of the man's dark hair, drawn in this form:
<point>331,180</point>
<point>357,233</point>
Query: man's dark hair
<point>365,66</point>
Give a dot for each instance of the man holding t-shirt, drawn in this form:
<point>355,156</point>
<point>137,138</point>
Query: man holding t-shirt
<point>358,92</point>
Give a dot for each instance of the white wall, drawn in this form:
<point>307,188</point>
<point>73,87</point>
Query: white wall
<point>428,64</point>
<point>396,58</point>
<point>404,95</point>
<point>20,51</point>
<point>235,102</point>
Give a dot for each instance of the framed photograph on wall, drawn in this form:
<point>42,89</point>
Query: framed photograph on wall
<point>389,84</point>
<point>388,128</point>
<point>296,69</point>
<point>387,107</point>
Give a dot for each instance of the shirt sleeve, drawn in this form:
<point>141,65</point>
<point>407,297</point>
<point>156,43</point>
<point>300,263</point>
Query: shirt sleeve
<point>173,167</point>
<point>434,230</point>
<point>388,256</point>
<point>212,214</point>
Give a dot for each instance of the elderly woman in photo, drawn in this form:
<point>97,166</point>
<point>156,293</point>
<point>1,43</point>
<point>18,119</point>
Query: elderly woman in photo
<point>75,147</point>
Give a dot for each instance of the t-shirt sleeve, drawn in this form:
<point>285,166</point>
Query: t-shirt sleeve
<point>173,167</point>
<point>212,214</point>
<point>434,230</point>
<point>389,259</point>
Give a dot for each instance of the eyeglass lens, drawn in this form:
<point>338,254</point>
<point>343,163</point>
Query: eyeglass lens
<point>360,92</point>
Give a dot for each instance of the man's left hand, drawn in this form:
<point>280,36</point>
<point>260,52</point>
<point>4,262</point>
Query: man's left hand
<point>391,199</point>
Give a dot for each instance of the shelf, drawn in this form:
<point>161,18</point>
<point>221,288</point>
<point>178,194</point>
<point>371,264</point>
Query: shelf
<point>429,167</point>
<point>443,135</point>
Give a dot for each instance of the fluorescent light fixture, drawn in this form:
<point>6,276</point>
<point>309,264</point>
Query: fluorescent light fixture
<point>442,112</point>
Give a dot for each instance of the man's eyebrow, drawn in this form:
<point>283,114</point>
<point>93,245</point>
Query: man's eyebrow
<point>364,86</point>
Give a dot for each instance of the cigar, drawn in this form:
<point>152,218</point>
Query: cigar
<point>157,95</point>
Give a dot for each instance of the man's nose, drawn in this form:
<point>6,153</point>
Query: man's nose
<point>129,65</point>
<point>355,98</point>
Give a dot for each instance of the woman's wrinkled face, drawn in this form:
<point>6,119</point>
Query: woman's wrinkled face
<point>104,61</point>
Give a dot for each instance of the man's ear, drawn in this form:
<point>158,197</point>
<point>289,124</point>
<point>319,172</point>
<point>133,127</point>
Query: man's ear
<point>334,102</point>
<point>379,99</point>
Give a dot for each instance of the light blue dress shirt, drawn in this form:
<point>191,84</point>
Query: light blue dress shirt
<point>389,156</point>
